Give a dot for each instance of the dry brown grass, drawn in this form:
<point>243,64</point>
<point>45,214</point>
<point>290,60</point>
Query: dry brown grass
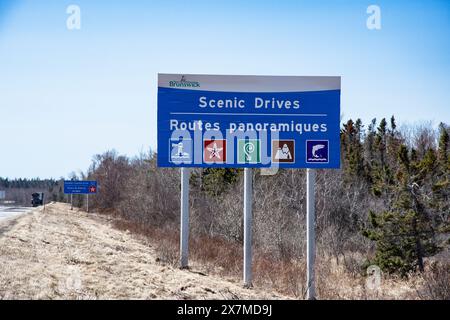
<point>343,279</point>
<point>436,282</point>
<point>63,254</point>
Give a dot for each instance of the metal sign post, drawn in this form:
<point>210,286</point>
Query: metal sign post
<point>184,229</point>
<point>87,202</point>
<point>248,191</point>
<point>310,234</point>
<point>71,202</point>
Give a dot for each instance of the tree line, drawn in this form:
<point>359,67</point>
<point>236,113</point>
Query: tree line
<point>389,201</point>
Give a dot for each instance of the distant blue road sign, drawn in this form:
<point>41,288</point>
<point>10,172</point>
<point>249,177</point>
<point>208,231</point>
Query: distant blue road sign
<point>248,121</point>
<point>80,187</point>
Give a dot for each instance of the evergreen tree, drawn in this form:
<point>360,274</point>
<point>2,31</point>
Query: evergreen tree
<point>393,125</point>
<point>444,141</point>
<point>217,180</point>
<point>380,142</point>
<point>404,235</point>
<point>440,181</point>
<point>369,149</point>
<point>352,150</point>
<point>381,172</point>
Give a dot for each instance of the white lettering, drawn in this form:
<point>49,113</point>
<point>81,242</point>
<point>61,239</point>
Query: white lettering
<point>258,103</point>
<point>173,124</point>
<point>226,103</point>
<point>202,103</point>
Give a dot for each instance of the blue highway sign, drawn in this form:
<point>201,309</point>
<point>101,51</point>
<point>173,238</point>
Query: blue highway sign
<point>80,187</point>
<point>248,121</point>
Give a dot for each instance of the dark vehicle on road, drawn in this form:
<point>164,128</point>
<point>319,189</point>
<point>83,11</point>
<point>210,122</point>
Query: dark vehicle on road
<point>37,199</point>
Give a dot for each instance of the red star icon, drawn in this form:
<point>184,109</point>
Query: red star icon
<point>92,189</point>
<point>214,151</point>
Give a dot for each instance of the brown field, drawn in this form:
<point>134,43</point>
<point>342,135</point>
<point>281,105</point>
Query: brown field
<point>61,254</point>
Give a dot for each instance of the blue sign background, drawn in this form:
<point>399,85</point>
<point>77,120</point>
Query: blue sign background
<point>79,187</point>
<point>318,109</point>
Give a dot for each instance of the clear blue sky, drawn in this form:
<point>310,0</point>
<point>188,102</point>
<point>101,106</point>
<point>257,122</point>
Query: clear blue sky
<point>67,95</point>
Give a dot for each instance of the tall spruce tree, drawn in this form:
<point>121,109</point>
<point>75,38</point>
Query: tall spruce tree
<point>444,141</point>
<point>440,190</point>
<point>352,150</point>
<point>381,173</point>
<point>405,233</point>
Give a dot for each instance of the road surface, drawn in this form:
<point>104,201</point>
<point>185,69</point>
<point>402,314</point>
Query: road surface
<point>11,212</point>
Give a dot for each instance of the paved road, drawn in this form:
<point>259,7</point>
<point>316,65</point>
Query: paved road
<point>10,212</point>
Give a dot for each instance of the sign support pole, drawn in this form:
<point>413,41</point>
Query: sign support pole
<point>71,201</point>
<point>87,202</point>
<point>184,228</point>
<point>248,191</point>
<point>310,234</point>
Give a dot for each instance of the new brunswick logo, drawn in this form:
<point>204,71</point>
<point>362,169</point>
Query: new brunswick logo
<point>184,83</point>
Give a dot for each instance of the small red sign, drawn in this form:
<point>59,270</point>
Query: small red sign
<point>214,151</point>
